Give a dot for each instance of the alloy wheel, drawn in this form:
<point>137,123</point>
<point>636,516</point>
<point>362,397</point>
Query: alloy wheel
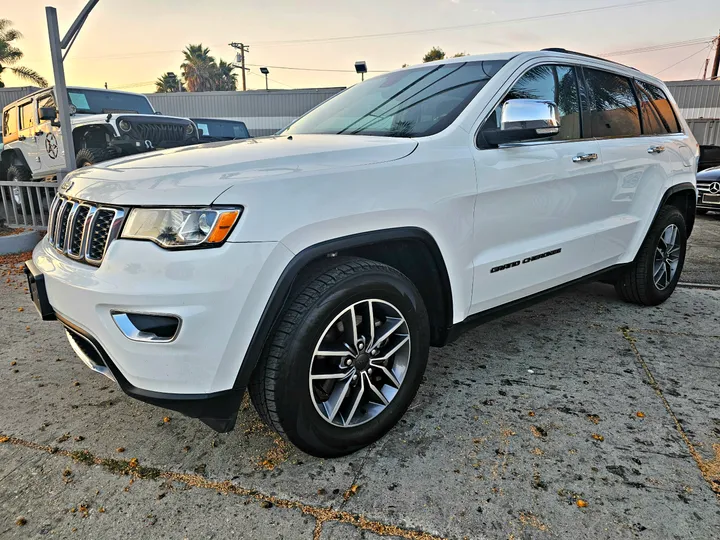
<point>667,257</point>
<point>359,363</point>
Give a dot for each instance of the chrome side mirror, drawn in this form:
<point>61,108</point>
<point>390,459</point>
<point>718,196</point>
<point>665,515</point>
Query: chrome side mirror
<point>523,120</point>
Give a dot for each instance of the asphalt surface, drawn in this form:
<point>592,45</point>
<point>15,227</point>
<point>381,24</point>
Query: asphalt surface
<point>580,417</point>
<point>702,264</point>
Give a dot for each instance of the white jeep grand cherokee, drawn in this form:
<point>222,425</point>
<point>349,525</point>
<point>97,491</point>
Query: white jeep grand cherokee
<point>316,267</point>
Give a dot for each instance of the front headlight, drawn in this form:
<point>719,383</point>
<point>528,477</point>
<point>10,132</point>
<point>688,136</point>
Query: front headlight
<point>181,227</point>
<point>189,130</point>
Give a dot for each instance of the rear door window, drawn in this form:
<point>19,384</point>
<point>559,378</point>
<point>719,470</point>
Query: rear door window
<point>613,109</point>
<point>557,84</point>
<point>656,105</point>
<point>27,115</point>
<point>10,121</point>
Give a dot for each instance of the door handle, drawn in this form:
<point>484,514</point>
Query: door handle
<point>659,149</point>
<point>584,157</point>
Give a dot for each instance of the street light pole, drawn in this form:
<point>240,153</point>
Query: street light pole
<point>265,71</point>
<point>61,95</point>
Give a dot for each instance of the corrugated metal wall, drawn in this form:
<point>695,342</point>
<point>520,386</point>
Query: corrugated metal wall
<point>707,132</point>
<point>697,99</point>
<point>8,95</point>
<point>263,112</point>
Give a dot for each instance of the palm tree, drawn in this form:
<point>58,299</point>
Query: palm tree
<point>9,55</point>
<point>167,83</point>
<point>198,68</point>
<point>226,79</point>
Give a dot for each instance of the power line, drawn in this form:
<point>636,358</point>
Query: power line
<point>269,79</point>
<point>680,62</point>
<point>464,26</point>
<point>660,47</point>
<point>316,69</point>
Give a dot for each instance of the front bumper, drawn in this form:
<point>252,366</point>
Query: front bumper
<point>219,294</point>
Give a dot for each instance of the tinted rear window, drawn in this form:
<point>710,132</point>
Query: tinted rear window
<point>613,106</point>
<point>657,110</point>
<point>10,121</point>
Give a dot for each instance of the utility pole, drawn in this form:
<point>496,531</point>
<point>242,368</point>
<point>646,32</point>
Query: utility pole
<point>241,55</point>
<point>57,44</point>
<point>707,63</point>
<point>716,62</point>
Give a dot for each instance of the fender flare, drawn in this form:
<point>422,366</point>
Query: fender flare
<point>9,157</point>
<point>679,188</point>
<point>283,287</point>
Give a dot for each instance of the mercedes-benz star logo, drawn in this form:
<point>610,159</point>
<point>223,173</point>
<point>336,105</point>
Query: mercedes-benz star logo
<point>715,188</point>
<point>51,145</point>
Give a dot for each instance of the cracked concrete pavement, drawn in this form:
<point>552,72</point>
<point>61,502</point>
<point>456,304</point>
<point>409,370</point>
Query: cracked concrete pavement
<point>579,400</point>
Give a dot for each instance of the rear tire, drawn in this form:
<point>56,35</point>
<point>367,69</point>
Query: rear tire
<point>87,157</point>
<point>285,388</point>
<point>652,277</point>
<point>18,195</point>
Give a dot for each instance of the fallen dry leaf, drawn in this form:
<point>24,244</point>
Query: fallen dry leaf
<point>20,521</point>
<point>581,503</point>
<point>13,363</point>
<point>531,413</point>
<point>594,418</point>
<point>21,309</point>
<point>350,492</point>
<point>166,419</point>
<point>120,450</point>
<point>640,414</point>
<point>598,437</point>
<point>133,463</point>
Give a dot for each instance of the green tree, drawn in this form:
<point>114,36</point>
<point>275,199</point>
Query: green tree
<point>199,68</point>
<point>168,83</point>
<point>10,55</point>
<point>225,78</point>
<point>460,55</point>
<point>436,53</point>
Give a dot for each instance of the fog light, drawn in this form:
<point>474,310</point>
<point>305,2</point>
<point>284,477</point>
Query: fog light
<point>147,327</point>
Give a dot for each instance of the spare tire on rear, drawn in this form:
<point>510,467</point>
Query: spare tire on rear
<point>87,157</point>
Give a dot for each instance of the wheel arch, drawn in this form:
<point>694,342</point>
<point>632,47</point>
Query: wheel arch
<point>10,157</point>
<point>91,136</point>
<point>684,198</point>
<point>410,250</point>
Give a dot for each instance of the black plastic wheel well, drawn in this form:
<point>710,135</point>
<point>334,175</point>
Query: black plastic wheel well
<point>8,158</point>
<point>92,136</point>
<point>685,201</point>
<point>416,259</point>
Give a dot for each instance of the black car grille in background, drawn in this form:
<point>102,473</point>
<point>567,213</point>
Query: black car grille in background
<point>82,230</point>
<point>161,133</point>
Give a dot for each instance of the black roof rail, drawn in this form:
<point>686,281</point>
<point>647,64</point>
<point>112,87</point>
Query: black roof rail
<point>561,50</point>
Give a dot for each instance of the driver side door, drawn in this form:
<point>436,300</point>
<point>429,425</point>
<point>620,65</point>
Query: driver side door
<point>50,146</point>
<point>538,206</point>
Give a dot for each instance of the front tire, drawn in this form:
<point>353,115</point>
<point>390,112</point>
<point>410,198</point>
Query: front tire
<point>652,277</point>
<point>87,157</point>
<point>372,323</point>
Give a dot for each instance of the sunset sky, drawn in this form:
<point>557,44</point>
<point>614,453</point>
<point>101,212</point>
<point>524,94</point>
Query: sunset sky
<point>129,43</point>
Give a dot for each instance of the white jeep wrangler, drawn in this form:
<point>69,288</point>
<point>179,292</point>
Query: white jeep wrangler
<point>105,124</point>
<point>318,266</point>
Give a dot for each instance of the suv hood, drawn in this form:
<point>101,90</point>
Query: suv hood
<point>197,175</point>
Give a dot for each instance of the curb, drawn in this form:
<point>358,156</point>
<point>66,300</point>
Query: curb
<point>18,243</point>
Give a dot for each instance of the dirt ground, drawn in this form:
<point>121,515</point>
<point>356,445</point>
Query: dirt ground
<point>580,417</point>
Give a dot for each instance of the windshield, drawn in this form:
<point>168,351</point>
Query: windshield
<point>222,129</point>
<point>100,102</point>
<point>408,103</point>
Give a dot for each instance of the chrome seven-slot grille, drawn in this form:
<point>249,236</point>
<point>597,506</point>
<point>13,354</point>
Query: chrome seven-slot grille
<point>82,230</point>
